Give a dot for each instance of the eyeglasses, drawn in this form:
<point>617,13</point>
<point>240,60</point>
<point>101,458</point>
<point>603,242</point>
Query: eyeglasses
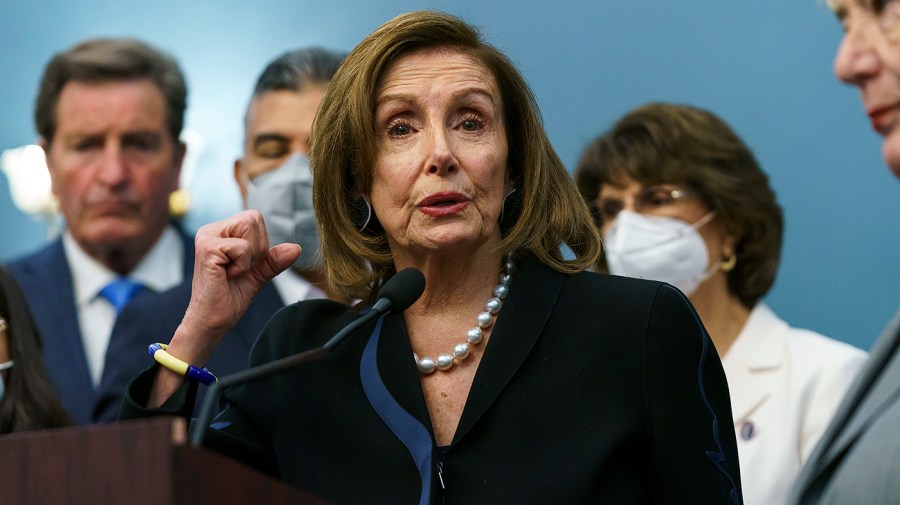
<point>652,200</point>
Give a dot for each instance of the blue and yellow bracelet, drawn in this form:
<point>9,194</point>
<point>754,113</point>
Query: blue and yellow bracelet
<point>201,375</point>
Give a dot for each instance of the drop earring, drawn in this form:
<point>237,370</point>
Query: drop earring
<point>509,210</point>
<point>364,217</point>
<point>729,263</point>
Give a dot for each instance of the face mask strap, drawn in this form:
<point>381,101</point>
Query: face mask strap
<point>709,272</point>
<point>703,221</point>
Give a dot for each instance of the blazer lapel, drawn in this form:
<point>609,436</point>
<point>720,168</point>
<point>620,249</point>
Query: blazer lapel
<point>754,360</point>
<point>875,386</point>
<point>882,387</point>
<point>532,298</point>
<point>51,299</point>
<point>525,312</point>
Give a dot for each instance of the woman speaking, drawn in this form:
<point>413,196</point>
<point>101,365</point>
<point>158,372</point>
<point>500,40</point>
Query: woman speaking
<point>517,377</point>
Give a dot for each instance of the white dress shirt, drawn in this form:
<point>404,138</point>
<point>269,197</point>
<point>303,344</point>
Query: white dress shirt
<point>292,287</point>
<point>161,269</point>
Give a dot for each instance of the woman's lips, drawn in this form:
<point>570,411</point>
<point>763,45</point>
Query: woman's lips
<point>443,204</point>
<point>882,118</point>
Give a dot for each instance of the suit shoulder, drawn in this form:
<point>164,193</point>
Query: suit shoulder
<point>34,261</point>
<point>622,291</point>
<point>809,343</point>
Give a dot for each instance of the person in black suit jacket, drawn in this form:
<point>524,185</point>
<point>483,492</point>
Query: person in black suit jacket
<point>517,376</point>
<point>277,127</point>
<point>857,459</point>
<point>109,113</point>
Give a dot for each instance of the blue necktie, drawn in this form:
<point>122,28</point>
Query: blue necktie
<point>120,291</point>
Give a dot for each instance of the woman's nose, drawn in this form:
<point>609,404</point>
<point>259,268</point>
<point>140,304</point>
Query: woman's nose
<point>441,160</point>
<point>856,59</point>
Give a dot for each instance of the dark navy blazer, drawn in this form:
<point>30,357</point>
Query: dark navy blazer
<point>46,281</point>
<point>592,389</point>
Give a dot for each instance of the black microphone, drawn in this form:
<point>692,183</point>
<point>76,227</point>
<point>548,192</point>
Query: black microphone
<point>398,293</point>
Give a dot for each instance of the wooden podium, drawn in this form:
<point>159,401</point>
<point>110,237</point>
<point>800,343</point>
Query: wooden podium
<point>144,461</point>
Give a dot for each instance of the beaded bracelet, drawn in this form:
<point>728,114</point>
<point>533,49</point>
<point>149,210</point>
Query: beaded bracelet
<point>201,375</point>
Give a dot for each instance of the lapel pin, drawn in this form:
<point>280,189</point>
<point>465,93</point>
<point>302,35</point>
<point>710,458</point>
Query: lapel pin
<point>747,430</point>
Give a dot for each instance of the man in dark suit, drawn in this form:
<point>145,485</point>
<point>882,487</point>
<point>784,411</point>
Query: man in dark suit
<point>109,113</point>
<point>858,458</point>
<point>274,178</point>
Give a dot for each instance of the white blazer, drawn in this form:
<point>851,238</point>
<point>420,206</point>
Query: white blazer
<point>785,385</point>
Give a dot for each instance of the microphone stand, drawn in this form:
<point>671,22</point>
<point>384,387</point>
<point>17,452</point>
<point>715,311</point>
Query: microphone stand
<point>199,425</point>
<point>400,291</point>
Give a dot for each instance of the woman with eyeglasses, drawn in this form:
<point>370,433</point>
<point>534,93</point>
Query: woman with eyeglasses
<point>680,198</point>
<point>27,398</point>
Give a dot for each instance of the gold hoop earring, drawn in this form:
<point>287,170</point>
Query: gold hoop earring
<point>729,263</point>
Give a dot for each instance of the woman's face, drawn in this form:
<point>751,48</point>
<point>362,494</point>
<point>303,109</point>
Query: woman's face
<point>664,200</point>
<point>440,168</point>
<point>869,58</point>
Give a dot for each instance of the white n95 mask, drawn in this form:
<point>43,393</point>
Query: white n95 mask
<point>284,198</point>
<point>658,248</point>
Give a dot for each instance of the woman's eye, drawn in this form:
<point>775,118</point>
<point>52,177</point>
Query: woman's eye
<point>399,129</point>
<point>471,124</point>
<point>656,198</point>
<point>888,13</point>
<point>609,209</point>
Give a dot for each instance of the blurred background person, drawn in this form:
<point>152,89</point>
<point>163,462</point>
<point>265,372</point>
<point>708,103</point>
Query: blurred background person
<point>27,398</point>
<point>858,459</point>
<point>109,113</point>
<point>680,198</point>
<point>274,178</point>
<point>420,148</point>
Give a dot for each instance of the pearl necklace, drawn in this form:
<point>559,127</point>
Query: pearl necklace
<point>427,365</point>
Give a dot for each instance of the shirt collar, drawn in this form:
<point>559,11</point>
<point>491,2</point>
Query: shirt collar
<point>160,269</point>
<point>292,287</point>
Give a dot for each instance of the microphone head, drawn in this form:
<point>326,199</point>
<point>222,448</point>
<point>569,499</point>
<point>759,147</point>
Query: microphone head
<point>403,289</point>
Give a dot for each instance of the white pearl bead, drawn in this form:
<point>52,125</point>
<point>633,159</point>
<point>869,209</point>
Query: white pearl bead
<point>426,365</point>
<point>485,319</point>
<point>444,361</point>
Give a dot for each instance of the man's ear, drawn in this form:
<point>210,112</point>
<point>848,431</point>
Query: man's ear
<point>45,145</point>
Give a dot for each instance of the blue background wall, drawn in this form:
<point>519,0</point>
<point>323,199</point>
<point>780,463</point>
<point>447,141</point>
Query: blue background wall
<point>763,65</point>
